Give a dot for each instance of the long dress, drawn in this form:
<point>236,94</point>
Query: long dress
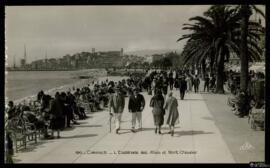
<point>171,115</point>
<point>57,110</point>
<point>189,84</point>
<point>157,103</point>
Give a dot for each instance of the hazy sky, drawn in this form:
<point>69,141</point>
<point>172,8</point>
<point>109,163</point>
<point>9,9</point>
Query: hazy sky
<point>69,29</point>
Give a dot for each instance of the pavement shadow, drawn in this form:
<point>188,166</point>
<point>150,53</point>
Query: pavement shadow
<point>99,110</point>
<point>192,99</point>
<point>16,160</point>
<point>89,126</point>
<point>148,129</point>
<point>207,118</point>
<point>79,136</point>
<point>191,132</point>
<point>31,146</point>
<point>69,128</point>
<point>87,117</point>
<point>124,132</point>
<point>167,128</point>
<point>82,122</point>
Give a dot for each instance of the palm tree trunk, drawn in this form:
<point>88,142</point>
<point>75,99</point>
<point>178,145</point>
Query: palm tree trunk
<point>243,48</point>
<point>203,65</point>
<point>211,65</point>
<point>220,74</point>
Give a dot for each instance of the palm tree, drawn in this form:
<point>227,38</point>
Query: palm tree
<point>215,37</point>
<point>245,12</point>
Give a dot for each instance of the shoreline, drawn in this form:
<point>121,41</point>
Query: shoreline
<point>67,87</point>
<point>93,76</point>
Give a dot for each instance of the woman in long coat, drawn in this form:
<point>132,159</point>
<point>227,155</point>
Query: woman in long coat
<point>172,115</point>
<point>157,103</point>
<point>57,119</point>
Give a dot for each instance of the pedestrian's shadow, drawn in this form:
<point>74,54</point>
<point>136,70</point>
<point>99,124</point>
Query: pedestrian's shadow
<point>68,128</point>
<point>79,136</point>
<point>32,146</point>
<point>89,126</point>
<point>124,132</point>
<point>191,99</point>
<point>82,122</point>
<point>88,117</point>
<point>147,129</point>
<point>190,132</point>
<point>207,118</point>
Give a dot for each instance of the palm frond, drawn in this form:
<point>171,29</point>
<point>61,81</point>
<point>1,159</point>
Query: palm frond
<point>258,10</point>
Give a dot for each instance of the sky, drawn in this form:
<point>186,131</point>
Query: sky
<point>61,30</point>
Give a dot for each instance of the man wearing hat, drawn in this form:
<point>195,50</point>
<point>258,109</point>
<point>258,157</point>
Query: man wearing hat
<point>135,106</point>
<point>117,104</point>
<point>182,87</point>
<point>196,83</point>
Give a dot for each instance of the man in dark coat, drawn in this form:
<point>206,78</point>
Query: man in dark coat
<point>171,80</point>
<point>196,83</point>
<point>165,86</point>
<point>57,113</point>
<point>206,83</point>
<point>182,87</point>
<point>135,106</point>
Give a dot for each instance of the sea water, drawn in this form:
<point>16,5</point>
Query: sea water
<point>20,84</point>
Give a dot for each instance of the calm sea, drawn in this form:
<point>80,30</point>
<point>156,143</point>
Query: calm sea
<point>20,84</point>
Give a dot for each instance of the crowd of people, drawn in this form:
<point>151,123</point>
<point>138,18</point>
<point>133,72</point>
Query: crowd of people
<point>158,84</point>
<point>49,114</point>
<point>58,112</point>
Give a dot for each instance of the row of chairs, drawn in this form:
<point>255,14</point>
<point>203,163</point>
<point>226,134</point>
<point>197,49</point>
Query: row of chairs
<point>22,131</point>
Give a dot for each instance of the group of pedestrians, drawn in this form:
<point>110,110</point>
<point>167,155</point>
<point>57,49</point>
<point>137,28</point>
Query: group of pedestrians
<point>164,106</point>
<point>162,110</point>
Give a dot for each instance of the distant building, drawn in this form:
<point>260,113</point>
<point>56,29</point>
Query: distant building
<point>83,60</point>
<point>148,58</point>
<point>156,57</point>
<point>122,52</point>
<point>23,63</point>
<point>109,59</point>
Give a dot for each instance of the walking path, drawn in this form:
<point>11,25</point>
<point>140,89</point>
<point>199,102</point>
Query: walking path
<point>197,139</point>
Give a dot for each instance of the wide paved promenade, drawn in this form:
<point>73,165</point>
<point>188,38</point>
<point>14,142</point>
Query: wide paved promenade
<point>197,139</point>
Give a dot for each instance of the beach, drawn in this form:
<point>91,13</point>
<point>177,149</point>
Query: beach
<point>24,85</point>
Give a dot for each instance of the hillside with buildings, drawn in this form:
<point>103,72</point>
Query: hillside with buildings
<point>97,59</point>
<point>82,60</point>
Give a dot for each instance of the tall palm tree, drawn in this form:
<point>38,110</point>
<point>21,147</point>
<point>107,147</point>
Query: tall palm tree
<point>245,12</point>
<point>215,37</point>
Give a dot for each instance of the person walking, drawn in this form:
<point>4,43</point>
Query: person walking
<point>171,115</point>
<point>206,83</point>
<point>154,85</point>
<point>157,103</point>
<point>196,83</point>
<point>213,82</point>
<point>117,104</point>
<point>57,113</point>
<point>171,79</point>
<point>164,86</point>
<point>135,106</point>
<point>68,110</point>
<point>182,87</point>
<point>189,83</point>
